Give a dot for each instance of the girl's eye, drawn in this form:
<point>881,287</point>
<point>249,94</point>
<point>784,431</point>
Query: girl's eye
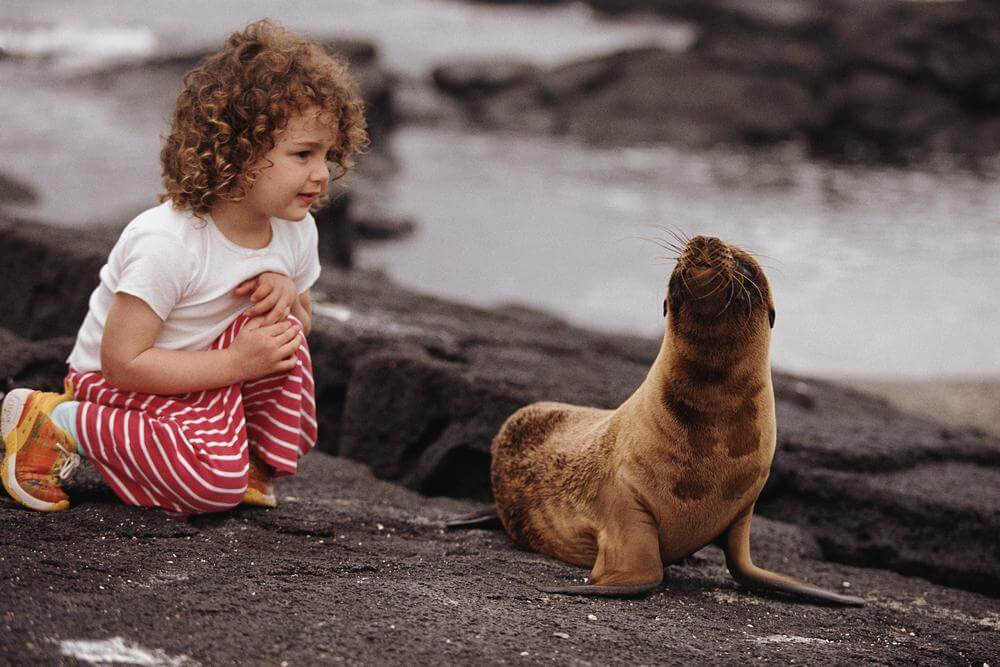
<point>302,154</point>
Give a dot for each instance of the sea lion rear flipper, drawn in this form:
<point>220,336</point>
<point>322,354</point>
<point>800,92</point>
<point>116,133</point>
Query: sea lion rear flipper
<point>736,545</point>
<point>485,519</point>
<point>628,564</point>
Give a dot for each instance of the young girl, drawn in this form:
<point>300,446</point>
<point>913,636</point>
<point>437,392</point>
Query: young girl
<point>182,396</point>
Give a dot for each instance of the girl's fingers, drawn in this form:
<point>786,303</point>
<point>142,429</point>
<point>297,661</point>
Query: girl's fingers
<point>289,336</point>
<point>278,328</point>
<point>289,348</point>
<point>245,287</point>
<point>263,289</point>
<point>264,306</point>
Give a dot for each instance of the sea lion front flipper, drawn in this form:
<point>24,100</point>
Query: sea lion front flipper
<point>628,565</point>
<point>736,545</point>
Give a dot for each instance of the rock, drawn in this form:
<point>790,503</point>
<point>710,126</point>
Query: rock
<point>644,95</point>
<point>854,79</point>
<point>49,273</point>
<point>677,98</point>
<point>382,228</point>
<point>35,364</point>
<point>336,234</point>
<point>13,191</point>
<point>229,584</point>
<point>416,387</point>
<point>482,78</point>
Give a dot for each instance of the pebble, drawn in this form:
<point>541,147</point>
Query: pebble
<point>561,635</point>
<point>591,617</point>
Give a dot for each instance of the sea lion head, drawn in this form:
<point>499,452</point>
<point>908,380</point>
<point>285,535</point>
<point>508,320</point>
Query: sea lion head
<point>718,289</point>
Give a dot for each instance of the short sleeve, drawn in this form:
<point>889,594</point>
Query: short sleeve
<point>155,267</point>
<point>307,268</point>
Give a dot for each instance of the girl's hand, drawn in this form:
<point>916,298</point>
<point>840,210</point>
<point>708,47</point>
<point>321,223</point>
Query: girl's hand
<point>272,294</point>
<point>261,349</point>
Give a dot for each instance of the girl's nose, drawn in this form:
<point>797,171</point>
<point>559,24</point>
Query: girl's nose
<point>321,173</point>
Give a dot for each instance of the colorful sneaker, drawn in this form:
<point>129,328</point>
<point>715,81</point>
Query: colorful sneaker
<point>260,488</point>
<point>39,454</point>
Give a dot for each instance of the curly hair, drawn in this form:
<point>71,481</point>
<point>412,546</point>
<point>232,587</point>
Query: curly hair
<point>236,101</point>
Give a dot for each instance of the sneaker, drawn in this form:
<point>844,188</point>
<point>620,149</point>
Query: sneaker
<point>39,454</point>
<point>260,488</point>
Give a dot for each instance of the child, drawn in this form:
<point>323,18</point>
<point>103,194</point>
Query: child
<point>182,396</point>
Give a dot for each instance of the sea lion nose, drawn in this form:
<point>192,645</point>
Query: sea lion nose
<point>706,251</point>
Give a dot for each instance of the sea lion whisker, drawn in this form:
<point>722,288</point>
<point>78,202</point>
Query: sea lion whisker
<point>684,280</point>
<point>721,285</point>
<point>757,287</point>
<point>749,320</point>
<point>732,293</point>
<point>663,243</point>
<point>680,237</point>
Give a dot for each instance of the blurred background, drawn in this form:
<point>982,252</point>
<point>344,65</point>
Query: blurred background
<point>532,152</point>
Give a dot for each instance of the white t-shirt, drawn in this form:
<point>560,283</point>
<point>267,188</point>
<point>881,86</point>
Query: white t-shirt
<point>186,270</point>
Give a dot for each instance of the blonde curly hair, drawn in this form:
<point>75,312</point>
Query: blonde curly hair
<point>235,102</point>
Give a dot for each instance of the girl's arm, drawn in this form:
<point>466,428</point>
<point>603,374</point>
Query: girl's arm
<point>302,310</point>
<point>131,363</point>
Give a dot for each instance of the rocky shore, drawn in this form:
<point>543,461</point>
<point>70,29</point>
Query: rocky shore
<point>901,510</point>
<point>868,81</point>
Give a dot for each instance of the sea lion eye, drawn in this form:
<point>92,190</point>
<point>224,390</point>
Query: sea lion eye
<point>770,316</point>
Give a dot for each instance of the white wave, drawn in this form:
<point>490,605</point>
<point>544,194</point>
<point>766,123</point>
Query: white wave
<point>75,46</point>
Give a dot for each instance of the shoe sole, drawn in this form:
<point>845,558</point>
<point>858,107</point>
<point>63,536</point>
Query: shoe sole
<point>258,499</point>
<point>14,420</point>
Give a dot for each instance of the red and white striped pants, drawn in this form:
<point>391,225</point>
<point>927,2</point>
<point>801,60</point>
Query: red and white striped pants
<point>189,453</point>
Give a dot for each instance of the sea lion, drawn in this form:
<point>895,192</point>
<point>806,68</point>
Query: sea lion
<point>678,465</point>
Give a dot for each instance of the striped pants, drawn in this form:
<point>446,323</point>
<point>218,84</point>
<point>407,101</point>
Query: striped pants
<point>190,453</point>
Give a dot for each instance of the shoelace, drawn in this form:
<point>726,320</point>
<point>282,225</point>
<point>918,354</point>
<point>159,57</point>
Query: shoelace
<point>71,461</point>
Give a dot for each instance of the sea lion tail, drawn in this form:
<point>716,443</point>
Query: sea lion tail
<point>486,519</point>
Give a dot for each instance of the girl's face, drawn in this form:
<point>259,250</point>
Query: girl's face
<point>293,173</point>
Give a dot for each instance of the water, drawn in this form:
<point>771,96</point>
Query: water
<point>876,271</point>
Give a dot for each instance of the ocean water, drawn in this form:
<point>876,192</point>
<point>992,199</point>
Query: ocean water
<point>878,272</point>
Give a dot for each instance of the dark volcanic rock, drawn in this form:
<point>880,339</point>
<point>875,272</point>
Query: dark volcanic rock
<point>12,191</point>
<point>641,96</point>
<point>416,387</point>
<point>25,363</point>
<point>349,219</point>
<point>48,276</point>
<point>887,80</point>
<point>352,569</point>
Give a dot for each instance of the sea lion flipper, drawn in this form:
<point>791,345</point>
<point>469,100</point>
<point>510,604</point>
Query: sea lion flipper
<point>603,591</point>
<point>487,519</point>
<point>628,563</point>
<point>736,545</point>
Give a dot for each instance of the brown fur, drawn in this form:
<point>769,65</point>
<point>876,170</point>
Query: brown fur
<point>678,465</point>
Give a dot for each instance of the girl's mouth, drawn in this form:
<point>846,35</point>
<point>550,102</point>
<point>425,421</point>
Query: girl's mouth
<point>307,198</point>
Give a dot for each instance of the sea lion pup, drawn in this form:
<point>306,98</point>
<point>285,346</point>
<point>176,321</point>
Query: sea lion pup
<point>678,465</point>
